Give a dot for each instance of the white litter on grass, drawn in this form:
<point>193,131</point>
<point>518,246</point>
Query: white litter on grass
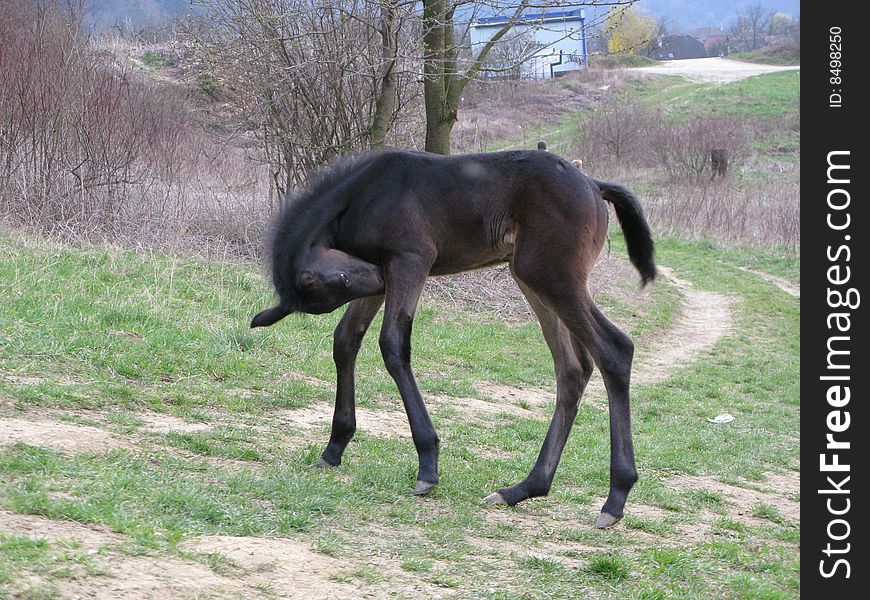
<point>723,418</point>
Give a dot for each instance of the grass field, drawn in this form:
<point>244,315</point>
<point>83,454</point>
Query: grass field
<point>762,97</point>
<point>152,444</point>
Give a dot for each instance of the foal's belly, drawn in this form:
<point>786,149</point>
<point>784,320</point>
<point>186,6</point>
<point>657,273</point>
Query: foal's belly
<point>468,257</point>
<point>448,268</point>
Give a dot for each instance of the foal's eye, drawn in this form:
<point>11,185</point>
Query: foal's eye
<point>344,280</point>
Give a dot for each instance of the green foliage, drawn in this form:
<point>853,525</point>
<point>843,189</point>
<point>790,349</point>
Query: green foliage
<point>209,84</point>
<point>780,54</point>
<point>620,61</point>
<point>152,60</point>
<point>631,30</point>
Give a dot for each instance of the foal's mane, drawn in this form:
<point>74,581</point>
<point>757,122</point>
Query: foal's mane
<point>307,211</point>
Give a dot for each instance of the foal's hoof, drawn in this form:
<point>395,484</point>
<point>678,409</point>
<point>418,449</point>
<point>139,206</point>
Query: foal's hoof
<point>423,488</point>
<point>606,521</point>
<point>495,498</point>
<point>322,464</point>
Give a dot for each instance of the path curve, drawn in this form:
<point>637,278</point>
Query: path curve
<point>712,70</point>
<point>705,317</point>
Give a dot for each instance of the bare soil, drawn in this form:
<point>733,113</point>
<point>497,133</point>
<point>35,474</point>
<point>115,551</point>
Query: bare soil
<point>784,284</point>
<point>742,500</point>
<point>705,318</point>
<point>161,423</point>
<point>59,436</point>
<point>379,423</point>
<point>711,70</point>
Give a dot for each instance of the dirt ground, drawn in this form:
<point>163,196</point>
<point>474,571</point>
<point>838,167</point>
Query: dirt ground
<point>711,70</point>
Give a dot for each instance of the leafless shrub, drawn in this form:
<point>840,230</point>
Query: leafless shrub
<point>767,212</point>
<point>618,131</point>
<point>312,79</point>
<point>91,149</point>
<point>692,149</point>
<point>75,131</point>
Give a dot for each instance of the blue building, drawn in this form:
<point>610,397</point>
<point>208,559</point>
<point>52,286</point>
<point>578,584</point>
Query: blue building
<point>552,43</point>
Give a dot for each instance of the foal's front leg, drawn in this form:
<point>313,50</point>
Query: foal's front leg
<point>405,277</point>
<point>347,339</point>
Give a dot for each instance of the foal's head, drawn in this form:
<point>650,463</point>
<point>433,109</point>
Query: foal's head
<point>326,279</point>
<point>331,278</point>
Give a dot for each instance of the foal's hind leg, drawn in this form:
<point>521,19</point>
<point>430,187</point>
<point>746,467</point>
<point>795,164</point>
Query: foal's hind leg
<point>347,339</point>
<point>612,352</point>
<point>573,369</point>
<point>561,286</point>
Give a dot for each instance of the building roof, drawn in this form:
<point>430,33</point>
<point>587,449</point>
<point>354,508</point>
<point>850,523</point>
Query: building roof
<point>706,33</point>
<point>679,46</point>
<point>578,14</point>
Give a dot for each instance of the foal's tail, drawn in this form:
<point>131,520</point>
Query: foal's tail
<point>637,234</point>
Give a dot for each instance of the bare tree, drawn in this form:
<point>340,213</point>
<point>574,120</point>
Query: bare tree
<point>751,27</point>
<point>315,78</point>
<point>445,74</point>
<point>507,57</point>
<point>321,77</point>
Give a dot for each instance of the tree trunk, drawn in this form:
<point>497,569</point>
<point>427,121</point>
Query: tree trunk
<point>439,126</point>
<point>442,81</point>
<point>385,104</point>
<point>435,77</point>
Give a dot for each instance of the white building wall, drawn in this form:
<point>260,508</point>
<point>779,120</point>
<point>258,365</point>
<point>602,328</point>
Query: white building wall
<point>561,41</point>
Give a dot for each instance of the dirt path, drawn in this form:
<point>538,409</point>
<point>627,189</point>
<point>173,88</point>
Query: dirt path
<point>784,284</point>
<point>711,70</point>
<point>705,317</point>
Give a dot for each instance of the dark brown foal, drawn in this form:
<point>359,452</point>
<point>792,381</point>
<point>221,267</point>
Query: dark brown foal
<point>371,231</point>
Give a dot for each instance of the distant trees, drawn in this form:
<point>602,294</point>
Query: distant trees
<point>756,26</point>
<point>750,29</point>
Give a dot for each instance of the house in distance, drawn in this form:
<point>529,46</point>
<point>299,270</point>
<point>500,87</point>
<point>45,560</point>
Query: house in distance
<point>538,46</point>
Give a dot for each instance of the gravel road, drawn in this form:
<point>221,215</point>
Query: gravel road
<point>711,70</point>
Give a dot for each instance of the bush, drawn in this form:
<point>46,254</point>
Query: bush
<point>619,130</point>
<point>90,148</point>
<point>786,53</point>
<point>697,148</point>
<point>765,213</point>
<point>620,61</point>
<point>76,130</point>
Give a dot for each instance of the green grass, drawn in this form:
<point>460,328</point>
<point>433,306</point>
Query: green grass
<point>49,561</point>
<point>103,337</point>
<point>764,98</point>
<point>783,54</point>
<point>760,97</point>
<point>609,566</point>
